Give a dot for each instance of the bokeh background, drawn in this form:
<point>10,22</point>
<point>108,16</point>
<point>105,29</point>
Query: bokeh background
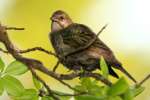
<point>128,33</point>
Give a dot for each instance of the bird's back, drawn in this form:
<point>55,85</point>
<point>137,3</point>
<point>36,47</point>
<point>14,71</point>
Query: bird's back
<point>78,35</point>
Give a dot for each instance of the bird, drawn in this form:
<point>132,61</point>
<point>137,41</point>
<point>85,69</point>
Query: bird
<point>66,36</point>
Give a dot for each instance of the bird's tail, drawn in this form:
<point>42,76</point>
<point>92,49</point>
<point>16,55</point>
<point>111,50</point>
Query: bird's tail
<point>126,73</point>
<point>112,72</point>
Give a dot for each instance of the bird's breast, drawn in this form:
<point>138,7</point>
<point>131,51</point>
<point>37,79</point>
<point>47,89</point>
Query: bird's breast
<point>55,27</point>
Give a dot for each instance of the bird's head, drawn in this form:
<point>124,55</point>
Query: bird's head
<point>60,20</point>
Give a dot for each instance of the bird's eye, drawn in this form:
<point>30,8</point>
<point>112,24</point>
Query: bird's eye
<point>61,17</point>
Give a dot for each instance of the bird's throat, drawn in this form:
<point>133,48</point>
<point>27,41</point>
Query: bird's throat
<point>55,26</point>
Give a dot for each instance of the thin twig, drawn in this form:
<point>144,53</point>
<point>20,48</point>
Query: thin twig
<point>70,76</point>
<point>32,49</point>
<point>61,77</point>
<point>89,44</point>
<point>44,84</point>
<point>29,62</point>
<point>14,28</point>
<point>44,93</point>
<point>38,48</point>
<point>96,76</point>
<point>35,63</point>
<point>38,65</point>
<point>67,94</point>
<point>4,51</point>
<point>69,86</point>
<point>144,80</point>
<point>56,66</point>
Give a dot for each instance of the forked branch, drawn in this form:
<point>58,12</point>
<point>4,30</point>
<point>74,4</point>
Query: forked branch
<point>35,64</point>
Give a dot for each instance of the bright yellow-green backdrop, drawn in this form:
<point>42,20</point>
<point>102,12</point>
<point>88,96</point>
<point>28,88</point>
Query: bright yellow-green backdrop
<point>128,33</point>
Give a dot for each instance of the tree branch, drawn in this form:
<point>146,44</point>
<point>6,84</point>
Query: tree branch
<point>14,28</point>
<point>144,80</point>
<point>56,66</point>
<point>96,76</point>
<point>4,51</point>
<point>35,64</point>
<point>39,49</point>
<point>50,92</point>
<point>32,49</point>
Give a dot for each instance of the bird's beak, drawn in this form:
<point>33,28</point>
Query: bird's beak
<point>53,19</point>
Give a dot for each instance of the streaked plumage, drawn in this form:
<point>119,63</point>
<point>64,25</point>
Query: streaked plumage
<point>73,36</point>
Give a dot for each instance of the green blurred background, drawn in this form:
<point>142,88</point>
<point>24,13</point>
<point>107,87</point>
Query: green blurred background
<point>128,33</point>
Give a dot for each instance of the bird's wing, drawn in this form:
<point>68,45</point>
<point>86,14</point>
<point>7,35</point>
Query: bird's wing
<point>58,44</point>
<point>56,41</point>
<point>78,35</point>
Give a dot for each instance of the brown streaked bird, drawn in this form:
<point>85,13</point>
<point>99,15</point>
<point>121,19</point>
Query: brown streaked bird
<point>67,36</point>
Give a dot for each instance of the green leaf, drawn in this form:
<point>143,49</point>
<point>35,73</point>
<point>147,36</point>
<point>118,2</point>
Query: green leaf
<point>114,98</point>
<point>28,94</point>
<point>118,88</point>
<point>96,90</point>
<point>81,88</point>
<point>37,84</point>
<point>132,92</point>
<point>2,65</point>
<point>91,87</point>
<point>104,67</point>
<point>12,85</point>
<point>138,90</point>
<point>128,95</point>
<point>62,97</point>
<point>65,97</point>
<point>86,82</point>
<point>16,68</point>
<point>46,98</point>
<point>1,87</point>
<point>89,97</point>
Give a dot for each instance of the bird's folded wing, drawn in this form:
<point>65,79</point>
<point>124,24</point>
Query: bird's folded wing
<point>78,35</point>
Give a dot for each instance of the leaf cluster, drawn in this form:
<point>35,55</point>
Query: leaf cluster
<point>120,90</point>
